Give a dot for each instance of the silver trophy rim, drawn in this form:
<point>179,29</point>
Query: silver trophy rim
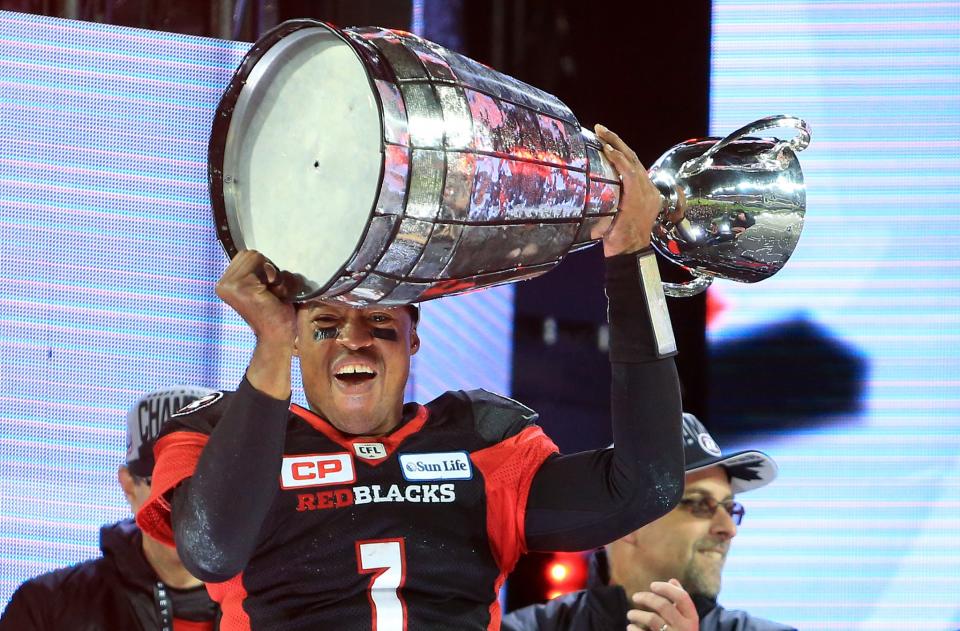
<point>223,137</point>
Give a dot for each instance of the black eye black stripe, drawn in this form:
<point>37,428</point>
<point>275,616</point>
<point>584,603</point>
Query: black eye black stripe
<point>332,333</point>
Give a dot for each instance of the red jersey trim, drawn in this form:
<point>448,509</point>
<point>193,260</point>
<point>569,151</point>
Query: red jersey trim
<point>192,625</point>
<point>176,458</point>
<point>496,616</point>
<point>508,469</point>
<point>231,595</point>
<point>390,442</point>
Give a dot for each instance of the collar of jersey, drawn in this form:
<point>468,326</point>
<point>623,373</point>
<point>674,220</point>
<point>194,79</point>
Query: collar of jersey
<point>390,442</point>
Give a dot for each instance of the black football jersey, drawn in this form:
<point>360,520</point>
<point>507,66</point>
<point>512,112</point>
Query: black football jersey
<point>413,530</point>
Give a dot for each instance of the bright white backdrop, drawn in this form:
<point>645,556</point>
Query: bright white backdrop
<point>861,529</point>
<point>109,258</point>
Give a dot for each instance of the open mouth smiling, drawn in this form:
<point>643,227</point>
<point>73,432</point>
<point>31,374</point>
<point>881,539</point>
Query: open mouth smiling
<point>354,374</point>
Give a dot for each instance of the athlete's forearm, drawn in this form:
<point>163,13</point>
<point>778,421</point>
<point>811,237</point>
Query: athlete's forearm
<point>217,513</point>
<point>269,369</point>
<point>589,499</point>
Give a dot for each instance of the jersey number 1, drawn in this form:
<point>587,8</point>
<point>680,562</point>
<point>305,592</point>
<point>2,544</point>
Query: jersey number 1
<point>386,560</point>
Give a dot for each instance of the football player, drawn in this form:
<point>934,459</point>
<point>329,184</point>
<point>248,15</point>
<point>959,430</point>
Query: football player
<point>360,512</point>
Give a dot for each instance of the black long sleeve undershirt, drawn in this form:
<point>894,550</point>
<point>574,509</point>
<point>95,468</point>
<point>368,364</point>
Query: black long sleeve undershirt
<point>216,532</point>
<point>589,499</point>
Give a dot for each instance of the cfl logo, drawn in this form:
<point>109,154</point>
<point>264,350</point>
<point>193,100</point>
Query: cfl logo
<point>370,451</point>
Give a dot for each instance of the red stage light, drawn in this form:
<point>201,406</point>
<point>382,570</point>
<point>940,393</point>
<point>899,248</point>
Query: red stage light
<point>558,571</point>
<point>563,573</point>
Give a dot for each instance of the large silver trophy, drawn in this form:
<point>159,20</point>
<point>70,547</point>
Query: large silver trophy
<point>382,168</point>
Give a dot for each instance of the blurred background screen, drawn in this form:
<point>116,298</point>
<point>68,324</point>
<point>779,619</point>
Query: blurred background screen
<point>109,262</point>
<point>845,365</point>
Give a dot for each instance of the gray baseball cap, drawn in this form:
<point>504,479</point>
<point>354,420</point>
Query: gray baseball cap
<point>146,418</point>
<point>748,470</point>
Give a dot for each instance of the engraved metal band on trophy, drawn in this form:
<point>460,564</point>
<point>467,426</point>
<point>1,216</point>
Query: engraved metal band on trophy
<point>383,168</point>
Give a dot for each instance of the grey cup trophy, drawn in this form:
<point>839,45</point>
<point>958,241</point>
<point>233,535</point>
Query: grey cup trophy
<point>382,168</point>
<point>745,204</point>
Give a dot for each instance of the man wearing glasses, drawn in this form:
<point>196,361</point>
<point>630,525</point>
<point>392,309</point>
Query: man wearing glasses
<point>672,566</point>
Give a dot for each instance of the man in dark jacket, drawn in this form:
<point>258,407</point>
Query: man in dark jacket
<point>138,584</point>
<point>690,544</point>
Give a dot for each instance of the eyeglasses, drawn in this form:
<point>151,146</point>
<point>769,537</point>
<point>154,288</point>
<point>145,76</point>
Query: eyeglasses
<point>706,508</point>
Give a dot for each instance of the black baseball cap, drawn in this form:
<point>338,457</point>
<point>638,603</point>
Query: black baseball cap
<point>748,470</point>
<point>146,418</point>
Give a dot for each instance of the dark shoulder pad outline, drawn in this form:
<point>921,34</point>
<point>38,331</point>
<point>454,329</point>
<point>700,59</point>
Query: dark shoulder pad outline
<point>200,415</point>
<point>496,417</point>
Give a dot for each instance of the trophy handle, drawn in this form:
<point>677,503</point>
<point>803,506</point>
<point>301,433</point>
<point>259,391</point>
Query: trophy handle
<point>797,143</point>
<point>689,288</point>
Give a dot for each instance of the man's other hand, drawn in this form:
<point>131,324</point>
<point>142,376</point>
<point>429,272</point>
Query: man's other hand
<point>666,607</point>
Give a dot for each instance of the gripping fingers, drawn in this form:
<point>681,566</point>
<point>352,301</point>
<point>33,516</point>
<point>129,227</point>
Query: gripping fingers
<point>625,160</point>
<point>278,282</point>
<point>621,162</point>
<point>286,286</point>
<point>617,152</point>
<point>240,272</point>
<point>245,263</point>
<point>252,271</point>
<point>269,274</point>
<point>611,138</point>
<point>282,284</point>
